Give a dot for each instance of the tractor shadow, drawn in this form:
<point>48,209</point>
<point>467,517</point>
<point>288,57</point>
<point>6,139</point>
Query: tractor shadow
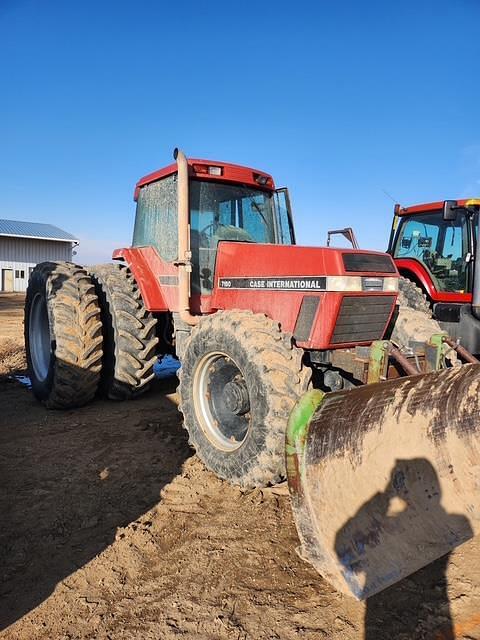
<point>12,302</point>
<point>71,478</point>
<point>379,542</point>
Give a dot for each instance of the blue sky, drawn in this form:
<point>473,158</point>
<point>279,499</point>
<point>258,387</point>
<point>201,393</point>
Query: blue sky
<point>338,100</point>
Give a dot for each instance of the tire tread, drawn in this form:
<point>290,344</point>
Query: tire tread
<point>129,333</point>
<point>75,315</point>
<point>284,376</point>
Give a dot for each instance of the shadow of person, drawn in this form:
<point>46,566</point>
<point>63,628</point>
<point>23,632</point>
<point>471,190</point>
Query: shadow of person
<point>70,479</point>
<point>396,532</point>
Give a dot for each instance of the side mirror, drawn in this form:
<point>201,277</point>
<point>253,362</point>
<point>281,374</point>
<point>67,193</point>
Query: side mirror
<point>450,210</point>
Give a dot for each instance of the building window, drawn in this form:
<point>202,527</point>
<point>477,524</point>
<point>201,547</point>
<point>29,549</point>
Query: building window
<point>20,274</point>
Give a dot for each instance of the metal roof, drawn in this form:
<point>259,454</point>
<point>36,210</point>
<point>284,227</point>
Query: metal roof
<point>38,230</point>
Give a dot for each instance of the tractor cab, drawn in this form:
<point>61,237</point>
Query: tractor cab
<point>212,236</point>
<point>435,246</point>
<point>226,202</point>
<point>438,240</point>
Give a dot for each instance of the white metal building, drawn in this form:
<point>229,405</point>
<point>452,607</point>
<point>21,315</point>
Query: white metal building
<point>25,244</point>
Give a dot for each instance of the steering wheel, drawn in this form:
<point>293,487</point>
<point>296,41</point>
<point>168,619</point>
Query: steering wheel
<point>212,225</point>
<point>225,232</point>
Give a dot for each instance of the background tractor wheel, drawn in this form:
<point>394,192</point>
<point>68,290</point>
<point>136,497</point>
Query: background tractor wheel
<point>239,380</point>
<point>63,335</point>
<point>414,321</point>
<point>128,333</point>
<point>410,295</point>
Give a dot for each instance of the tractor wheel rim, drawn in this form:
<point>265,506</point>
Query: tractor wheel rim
<point>39,337</point>
<point>221,401</point>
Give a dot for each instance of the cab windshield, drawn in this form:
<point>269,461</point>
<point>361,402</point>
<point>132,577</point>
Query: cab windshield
<point>218,212</point>
<point>230,212</point>
<point>440,245</point>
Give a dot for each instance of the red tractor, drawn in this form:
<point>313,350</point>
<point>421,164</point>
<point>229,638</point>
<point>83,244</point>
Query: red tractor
<point>435,248</point>
<point>213,276</point>
<point>284,365</point>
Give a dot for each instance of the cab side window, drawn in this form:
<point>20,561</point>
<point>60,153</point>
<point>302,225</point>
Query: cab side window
<point>440,245</point>
<point>156,219</point>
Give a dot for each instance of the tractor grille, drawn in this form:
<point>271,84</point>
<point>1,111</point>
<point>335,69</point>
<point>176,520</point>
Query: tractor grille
<point>368,262</point>
<point>362,318</point>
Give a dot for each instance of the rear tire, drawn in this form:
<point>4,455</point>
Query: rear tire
<point>410,295</point>
<point>63,335</point>
<point>129,333</point>
<point>239,380</point>
<point>414,321</point>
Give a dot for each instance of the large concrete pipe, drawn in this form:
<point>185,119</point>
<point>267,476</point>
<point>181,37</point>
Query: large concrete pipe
<point>385,478</point>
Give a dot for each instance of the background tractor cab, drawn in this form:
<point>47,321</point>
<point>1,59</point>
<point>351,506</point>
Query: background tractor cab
<point>434,245</point>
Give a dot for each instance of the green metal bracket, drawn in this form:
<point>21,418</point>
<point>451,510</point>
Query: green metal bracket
<point>296,435</point>
<point>378,361</point>
<point>434,352</point>
<point>300,417</point>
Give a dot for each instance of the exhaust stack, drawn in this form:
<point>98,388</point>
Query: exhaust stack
<point>184,263</point>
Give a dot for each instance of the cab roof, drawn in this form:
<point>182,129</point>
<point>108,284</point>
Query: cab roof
<point>430,207</point>
<point>225,172</point>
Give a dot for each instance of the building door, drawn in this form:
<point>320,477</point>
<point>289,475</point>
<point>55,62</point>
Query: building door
<point>7,279</point>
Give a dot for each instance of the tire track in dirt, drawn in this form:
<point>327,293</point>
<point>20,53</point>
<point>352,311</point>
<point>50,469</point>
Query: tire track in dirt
<point>111,529</point>
<point>168,549</point>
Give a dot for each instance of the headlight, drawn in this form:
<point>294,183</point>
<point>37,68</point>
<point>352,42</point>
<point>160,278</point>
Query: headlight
<point>390,284</point>
<point>359,283</point>
<point>344,283</point>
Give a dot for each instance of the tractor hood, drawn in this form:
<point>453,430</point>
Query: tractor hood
<point>326,297</point>
<point>243,265</point>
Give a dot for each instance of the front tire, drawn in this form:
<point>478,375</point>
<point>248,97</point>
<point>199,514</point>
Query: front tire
<point>239,380</point>
<point>63,335</point>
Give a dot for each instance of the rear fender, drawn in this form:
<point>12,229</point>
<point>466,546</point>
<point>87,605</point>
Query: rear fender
<point>157,279</point>
<point>415,271</point>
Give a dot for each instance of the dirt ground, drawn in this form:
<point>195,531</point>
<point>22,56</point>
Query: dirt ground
<point>11,314</point>
<point>11,333</point>
<point>111,528</point>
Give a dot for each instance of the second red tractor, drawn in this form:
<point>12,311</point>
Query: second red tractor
<point>435,248</point>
